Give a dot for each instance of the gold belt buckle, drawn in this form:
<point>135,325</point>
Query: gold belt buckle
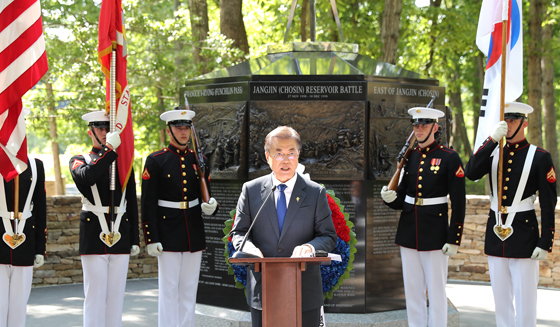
<point>419,202</point>
<point>504,209</point>
<point>183,205</point>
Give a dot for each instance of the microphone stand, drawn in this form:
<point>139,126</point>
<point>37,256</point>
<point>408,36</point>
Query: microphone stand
<point>244,255</point>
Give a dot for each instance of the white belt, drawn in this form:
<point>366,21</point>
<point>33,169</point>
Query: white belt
<point>425,201</point>
<point>101,209</point>
<point>527,204</point>
<point>178,205</point>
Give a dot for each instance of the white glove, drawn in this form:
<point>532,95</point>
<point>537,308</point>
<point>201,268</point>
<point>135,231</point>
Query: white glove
<point>450,249</point>
<point>388,195</point>
<point>155,249</point>
<point>500,130</point>
<point>39,261</point>
<point>210,207</point>
<point>113,139</point>
<point>134,250</point>
<point>539,254</point>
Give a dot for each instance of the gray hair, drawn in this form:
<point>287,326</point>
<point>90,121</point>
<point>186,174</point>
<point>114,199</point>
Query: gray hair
<point>282,133</point>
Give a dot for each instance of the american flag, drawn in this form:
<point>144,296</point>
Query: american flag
<point>23,62</point>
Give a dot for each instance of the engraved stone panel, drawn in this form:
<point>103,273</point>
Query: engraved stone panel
<point>332,134</point>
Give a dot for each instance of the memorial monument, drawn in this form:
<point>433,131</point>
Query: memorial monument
<point>351,113</point>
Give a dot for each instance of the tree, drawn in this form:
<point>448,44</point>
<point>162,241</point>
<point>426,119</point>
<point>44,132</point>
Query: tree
<point>231,23</point>
<point>534,72</point>
<point>199,26</point>
<point>390,30</point>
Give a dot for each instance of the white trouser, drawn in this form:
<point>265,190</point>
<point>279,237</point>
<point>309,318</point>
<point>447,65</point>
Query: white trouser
<point>15,287</point>
<point>177,281</point>
<point>421,270</point>
<point>514,279</point>
<point>104,284</point>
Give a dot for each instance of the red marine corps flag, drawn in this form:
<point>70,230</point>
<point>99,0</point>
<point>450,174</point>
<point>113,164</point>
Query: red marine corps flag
<point>23,62</point>
<point>112,47</point>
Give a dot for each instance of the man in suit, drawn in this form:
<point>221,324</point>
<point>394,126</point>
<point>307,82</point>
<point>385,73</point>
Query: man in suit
<point>425,235</point>
<point>104,252</point>
<point>513,244</point>
<point>295,222</point>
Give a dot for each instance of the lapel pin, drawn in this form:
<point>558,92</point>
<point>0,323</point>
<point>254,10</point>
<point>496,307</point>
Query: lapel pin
<point>297,199</point>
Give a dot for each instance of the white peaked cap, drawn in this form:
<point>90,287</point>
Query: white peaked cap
<point>96,116</point>
<point>425,113</point>
<point>517,108</point>
<point>173,115</point>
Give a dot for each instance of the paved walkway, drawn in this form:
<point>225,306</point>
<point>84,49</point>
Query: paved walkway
<point>61,306</point>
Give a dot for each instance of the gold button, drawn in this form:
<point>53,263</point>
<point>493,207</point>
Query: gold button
<point>516,146</point>
<point>149,240</point>
<point>182,158</point>
<point>419,193</point>
<point>456,241</point>
<point>504,197</point>
<point>168,175</point>
<point>163,217</point>
<point>511,153</point>
<point>510,161</point>
<point>185,197</point>
<point>184,174</point>
<point>505,188</point>
<point>509,170</point>
<point>420,178</point>
<point>424,156</point>
<point>419,185</point>
<point>146,225</point>
<point>440,214</point>
<point>94,159</point>
<point>422,162</point>
<point>185,189</point>
<point>178,151</point>
<point>458,234</point>
<point>182,166</point>
<point>88,219</point>
<point>106,149</point>
<point>31,178</point>
<point>421,169</point>
<point>459,227</point>
<point>507,179</point>
<point>527,220</point>
<point>428,149</point>
<point>164,150</point>
<point>184,182</point>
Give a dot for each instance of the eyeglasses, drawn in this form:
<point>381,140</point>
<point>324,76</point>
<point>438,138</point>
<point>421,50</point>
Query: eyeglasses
<point>282,157</point>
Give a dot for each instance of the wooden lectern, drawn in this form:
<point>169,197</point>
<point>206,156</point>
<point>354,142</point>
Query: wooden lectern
<point>281,287</point>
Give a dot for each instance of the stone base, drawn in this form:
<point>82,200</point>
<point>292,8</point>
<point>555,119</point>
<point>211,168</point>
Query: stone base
<point>210,316</point>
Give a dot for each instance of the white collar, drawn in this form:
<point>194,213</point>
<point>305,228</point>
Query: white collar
<point>289,184</point>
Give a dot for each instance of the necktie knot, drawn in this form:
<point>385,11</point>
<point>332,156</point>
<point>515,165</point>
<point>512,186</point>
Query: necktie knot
<point>282,187</point>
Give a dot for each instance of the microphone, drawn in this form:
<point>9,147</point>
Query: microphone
<point>244,255</point>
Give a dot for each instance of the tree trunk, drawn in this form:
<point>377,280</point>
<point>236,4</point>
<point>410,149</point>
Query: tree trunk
<point>178,47</point>
<point>549,110</point>
<point>59,187</point>
<point>232,25</point>
<point>429,61</point>
<point>390,30</point>
<point>534,72</point>
<point>161,109</point>
<point>199,26</point>
<point>459,138</point>
<point>304,17</point>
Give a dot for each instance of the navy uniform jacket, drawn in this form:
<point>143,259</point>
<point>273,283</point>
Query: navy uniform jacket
<point>97,172</point>
<point>35,229</point>
<point>171,175</point>
<point>308,221</point>
<point>432,172</point>
<point>542,178</point>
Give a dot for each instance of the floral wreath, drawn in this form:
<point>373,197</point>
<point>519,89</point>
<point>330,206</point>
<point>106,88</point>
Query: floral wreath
<point>332,275</point>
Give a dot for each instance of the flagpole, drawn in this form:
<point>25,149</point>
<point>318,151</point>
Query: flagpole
<point>505,19</point>
<point>113,119</point>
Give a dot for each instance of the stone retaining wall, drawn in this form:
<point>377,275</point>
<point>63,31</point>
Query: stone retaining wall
<point>63,265</point>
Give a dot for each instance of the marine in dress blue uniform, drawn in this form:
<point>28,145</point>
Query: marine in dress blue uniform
<point>172,221</point>
<point>513,243</point>
<point>26,250</point>
<point>425,233</point>
<point>104,258</point>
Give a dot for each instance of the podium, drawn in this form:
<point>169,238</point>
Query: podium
<point>281,287</point>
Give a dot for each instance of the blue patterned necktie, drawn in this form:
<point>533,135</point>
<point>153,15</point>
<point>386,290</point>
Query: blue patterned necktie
<point>281,207</point>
